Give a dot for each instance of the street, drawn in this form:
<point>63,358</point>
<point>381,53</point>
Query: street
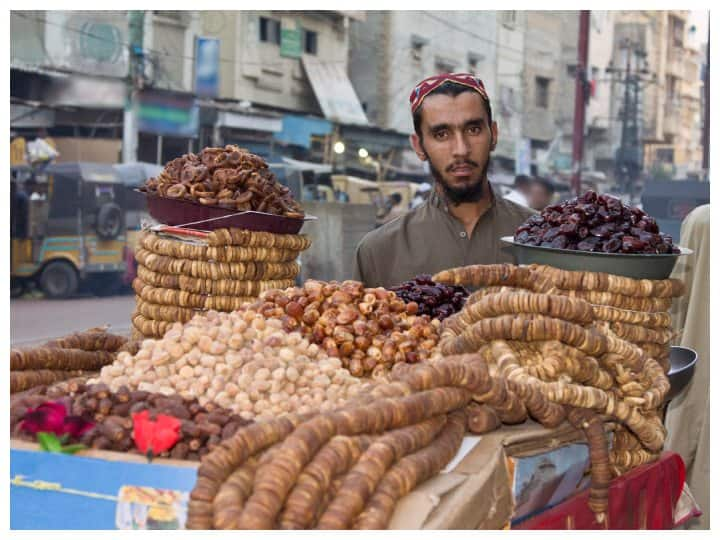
<point>34,321</point>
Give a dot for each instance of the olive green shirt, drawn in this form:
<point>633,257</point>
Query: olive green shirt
<point>429,239</point>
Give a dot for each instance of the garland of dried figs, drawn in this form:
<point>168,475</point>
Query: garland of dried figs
<point>595,341</point>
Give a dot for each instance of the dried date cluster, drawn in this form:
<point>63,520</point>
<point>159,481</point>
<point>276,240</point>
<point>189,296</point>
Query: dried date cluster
<point>229,177</point>
<point>434,299</point>
<point>202,427</point>
<point>598,223</point>
<point>368,329</point>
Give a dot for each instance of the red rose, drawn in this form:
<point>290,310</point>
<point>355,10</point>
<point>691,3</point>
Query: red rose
<point>154,437</point>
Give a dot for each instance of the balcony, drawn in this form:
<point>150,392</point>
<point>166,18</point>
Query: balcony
<point>671,120</point>
<point>675,65</point>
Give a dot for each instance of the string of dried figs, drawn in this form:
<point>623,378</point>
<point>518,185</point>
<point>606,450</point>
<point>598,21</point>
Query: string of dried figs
<point>202,427</point>
<point>368,329</point>
<point>239,360</point>
<point>416,430</point>
<point>248,270</point>
<point>229,177</point>
<point>170,247</point>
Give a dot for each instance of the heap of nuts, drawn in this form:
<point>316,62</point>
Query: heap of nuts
<point>239,360</point>
<point>229,177</point>
<point>434,299</point>
<point>368,329</point>
<point>202,427</point>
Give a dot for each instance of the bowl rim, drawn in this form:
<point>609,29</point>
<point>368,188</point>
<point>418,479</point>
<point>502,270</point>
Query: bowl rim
<point>577,252</point>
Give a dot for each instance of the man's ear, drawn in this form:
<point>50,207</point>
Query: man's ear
<point>494,133</point>
<point>417,146</point>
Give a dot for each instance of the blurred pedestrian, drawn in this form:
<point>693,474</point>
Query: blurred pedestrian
<point>688,416</point>
<point>541,193</point>
<point>394,208</point>
<point>521,190</point>
<point>421,195</point>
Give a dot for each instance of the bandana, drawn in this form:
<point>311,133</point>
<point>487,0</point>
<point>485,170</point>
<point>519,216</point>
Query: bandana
<point>430,84</point>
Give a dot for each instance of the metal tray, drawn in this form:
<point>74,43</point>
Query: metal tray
<point>632,266</point>
<point>682,368</point>
<point>178,212</point>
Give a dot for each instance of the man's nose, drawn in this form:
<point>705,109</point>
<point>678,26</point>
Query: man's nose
<point>460,145</point>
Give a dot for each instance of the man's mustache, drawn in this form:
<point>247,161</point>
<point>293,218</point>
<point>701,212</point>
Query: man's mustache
<point>465,163</point>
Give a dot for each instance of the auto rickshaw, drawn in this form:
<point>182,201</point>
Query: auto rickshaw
<point>67,229</point>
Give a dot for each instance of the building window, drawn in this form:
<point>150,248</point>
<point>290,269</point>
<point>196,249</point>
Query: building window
<point>444,65</point>
<point>269,30</point>
<point>677,28</point>
<point>509,18</point>
<point>310,42</point>
<point>542,92</point>
<point>670,91</point>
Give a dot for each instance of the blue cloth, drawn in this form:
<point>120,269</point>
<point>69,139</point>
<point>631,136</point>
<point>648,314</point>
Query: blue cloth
<point>36,509</point>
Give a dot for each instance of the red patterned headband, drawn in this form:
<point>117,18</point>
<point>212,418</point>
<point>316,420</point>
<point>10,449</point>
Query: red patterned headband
<point>432,83</point>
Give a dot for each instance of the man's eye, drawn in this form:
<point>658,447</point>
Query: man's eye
<point>475,130</point>
<point>442,134</point>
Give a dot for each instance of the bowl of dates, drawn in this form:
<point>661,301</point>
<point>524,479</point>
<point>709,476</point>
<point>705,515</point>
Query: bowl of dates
<point>596,233</point>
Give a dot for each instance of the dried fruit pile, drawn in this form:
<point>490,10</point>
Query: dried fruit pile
<point>75,355</point>
<point>349,467</point>
<point>598,223</point>
<point>434,299</point>
<point>202,427</point>
<point>177,279</point>
<point>540,326</point>
<point>229,177</point>
<point>368,329</point>
<point>241,361</point>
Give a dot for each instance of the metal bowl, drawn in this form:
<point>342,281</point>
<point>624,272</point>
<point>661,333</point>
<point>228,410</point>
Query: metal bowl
<point>682,368</point>
<point>637,266</point>
<point>177,213</point>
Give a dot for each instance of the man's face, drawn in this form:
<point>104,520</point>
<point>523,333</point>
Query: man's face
<point>457,141</point>
<point>539,197</point>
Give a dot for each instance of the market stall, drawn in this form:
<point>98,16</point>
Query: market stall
<point>244,402</point>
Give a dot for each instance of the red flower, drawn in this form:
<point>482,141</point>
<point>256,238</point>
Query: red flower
<point>154,437</point>
<point>76,426</point>
<point>48,417</point>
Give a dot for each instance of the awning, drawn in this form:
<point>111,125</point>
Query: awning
<point>298,130</point>
<point>334,91</point>
<point>252,122</point>
<point>318,168</point>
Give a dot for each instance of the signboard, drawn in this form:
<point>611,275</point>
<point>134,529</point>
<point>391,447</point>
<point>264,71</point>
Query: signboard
<point>167,113</point>
<point>207,67</point>
<point>334,92</point>
<point>523,156</point>
<point>291,42</point>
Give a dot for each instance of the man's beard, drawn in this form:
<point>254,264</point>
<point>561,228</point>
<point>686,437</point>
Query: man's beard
<point>463,194</point>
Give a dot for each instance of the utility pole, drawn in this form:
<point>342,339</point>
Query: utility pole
<point>580,99</point>
<point>135,80</point>
<point>629,158</point>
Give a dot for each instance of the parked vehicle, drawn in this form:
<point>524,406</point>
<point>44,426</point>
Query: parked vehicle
<point>67,229</point>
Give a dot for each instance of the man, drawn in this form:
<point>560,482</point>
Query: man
<point>520,191</point>
<point>688,416</point>
<point>394,208</point>
<point>463,219</point>
<point>421,195</point>
<point>541,193</point>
